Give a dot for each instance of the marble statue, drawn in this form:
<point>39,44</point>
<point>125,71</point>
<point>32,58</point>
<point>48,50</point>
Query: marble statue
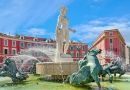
<point>62,31</point>
<point>88,70</point>
<point>10,70</point>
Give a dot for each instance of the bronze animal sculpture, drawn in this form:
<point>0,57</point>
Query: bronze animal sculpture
<point>113,68</point>
<point>32,69</point>
<point>10,70</point>
<point>89,72</point>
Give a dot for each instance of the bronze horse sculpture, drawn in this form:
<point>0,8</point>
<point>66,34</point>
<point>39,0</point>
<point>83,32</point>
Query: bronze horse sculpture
<point>113,68</point>
<point>88,70</point>
<point>10,70</point>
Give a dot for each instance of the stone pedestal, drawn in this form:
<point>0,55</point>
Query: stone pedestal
<point>64,58</point>
<point>56,68</point>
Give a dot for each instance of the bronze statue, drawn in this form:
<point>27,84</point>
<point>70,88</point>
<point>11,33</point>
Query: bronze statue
<point>87,71</point>
<point>10,70</point>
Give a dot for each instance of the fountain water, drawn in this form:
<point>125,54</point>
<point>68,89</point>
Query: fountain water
<point>26,56</point>
<point>113,57</point>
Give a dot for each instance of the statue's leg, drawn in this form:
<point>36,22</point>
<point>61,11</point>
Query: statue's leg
<point>61,46</point>
<point>103,78</point>
<point>67,43</point>
<point>110,76</point>
<point>114,74</point>
<point>120,75</point>
<point>95,77</point>
<point>57,49</point>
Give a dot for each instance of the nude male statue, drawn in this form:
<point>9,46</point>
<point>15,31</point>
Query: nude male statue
<point>62,31</point>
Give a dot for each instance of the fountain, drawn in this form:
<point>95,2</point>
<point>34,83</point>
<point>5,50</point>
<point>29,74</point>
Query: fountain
<point>63,64</point>
<point>82,74</point>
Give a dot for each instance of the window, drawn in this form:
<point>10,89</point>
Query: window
<point>13,43</point>
<point>6,42</point>
<point>83,54</point>
<point>35,39</point>
<point>78,47</point>
<point>35,53</point>
<point>42,45</point>
<point>83,47</point>
<point>72,54</point>
<point>21,44</point>
<point>41,54</point>
<point>121,48</point>
<point>35,45</point>
<point>111,46</point>
<point>22,52</point>
<point>5,51</point>
<point>110,33</point>
<point>54,46</point>
<point>13,51</point>
<point>21,61</point>
<point>21,37</point>
<point>29,45</point>
<point>71,48</point>
<point>77,54</point>
<point>110,40</point>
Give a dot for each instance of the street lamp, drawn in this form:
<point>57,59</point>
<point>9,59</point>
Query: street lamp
<point>78,48</point>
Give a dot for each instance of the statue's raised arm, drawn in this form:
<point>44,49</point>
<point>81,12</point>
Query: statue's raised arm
<point>72,30</point>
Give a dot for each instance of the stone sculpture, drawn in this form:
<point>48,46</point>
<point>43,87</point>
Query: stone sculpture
<point>62,32</point>
<point>10,70</point>
<point>87,72</point>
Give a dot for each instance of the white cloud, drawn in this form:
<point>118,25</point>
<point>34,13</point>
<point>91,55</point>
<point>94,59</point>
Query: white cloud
<point>97,22</point>
<point>90,31</point>
<point>37,31</point>
<point>15,14</point>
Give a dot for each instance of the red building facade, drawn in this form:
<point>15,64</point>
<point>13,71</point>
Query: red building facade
<point>12,45</point>
<point>110,41</point>
<point>77,50</point>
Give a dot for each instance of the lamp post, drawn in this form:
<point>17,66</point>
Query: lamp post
<point>78,48</point>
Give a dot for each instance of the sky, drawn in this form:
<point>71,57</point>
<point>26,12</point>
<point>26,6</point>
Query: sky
<point>89,18</point>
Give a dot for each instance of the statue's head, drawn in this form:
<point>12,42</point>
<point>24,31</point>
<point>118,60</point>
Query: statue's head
<point>63,10</point>
<point>94,52</point>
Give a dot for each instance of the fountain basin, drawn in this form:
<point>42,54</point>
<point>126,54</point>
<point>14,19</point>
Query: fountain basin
<point>56,68</point>
<point>34,83</point>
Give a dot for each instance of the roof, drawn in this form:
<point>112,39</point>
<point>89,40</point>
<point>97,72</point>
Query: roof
<point>103,33</point>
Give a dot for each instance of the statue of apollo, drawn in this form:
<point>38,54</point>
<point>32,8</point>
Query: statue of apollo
<point>62,31</point>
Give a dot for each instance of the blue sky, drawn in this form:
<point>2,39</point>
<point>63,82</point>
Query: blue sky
<point>89,17</point>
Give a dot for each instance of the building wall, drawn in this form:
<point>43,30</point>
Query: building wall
<point>110,41</point>
<point>76,50</point>
<point>127,54</point>
<point>28,39</point>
